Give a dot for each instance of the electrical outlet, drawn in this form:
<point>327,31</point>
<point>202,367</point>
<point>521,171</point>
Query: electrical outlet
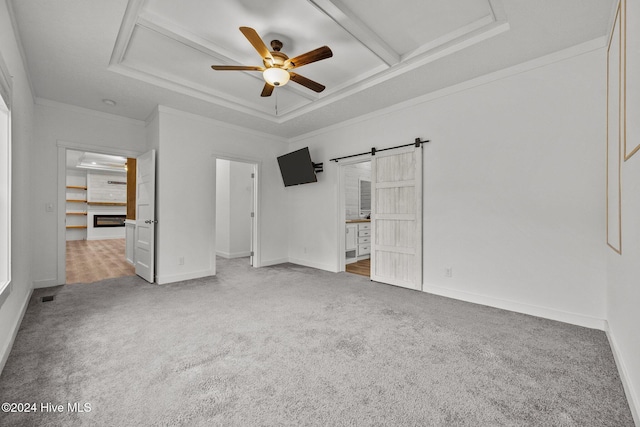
<point>181,260</point>
<point>448,272</point>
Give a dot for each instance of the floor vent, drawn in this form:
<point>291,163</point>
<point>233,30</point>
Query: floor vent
<point>47,298</point>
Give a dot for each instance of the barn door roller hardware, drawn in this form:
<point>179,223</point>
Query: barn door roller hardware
<point>417,143</point>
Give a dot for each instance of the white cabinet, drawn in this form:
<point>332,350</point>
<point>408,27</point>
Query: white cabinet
<point>364,239</point>
<point>351,241</point>
<point>357,241</point>
<point>351,238</point>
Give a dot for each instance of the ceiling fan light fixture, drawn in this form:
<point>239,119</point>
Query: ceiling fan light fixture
<point>276,76</point>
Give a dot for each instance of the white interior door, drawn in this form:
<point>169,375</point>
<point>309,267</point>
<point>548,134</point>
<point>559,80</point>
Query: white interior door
<point>252,216</point>
<point>396,220</point>
<point>145,215</point>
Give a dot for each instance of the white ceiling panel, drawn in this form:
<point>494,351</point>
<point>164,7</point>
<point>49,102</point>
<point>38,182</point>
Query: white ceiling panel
<point>183,42</point>
<point>166,58</point>
<point>298,24</point>
<point>408,25</point>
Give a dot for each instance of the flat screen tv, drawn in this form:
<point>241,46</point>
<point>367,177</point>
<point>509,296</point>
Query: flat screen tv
<point>297,168</point>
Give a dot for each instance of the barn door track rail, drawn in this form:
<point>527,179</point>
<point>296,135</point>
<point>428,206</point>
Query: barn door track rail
<point>417,143</point>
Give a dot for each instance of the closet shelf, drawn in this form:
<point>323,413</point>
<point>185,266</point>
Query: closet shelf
<point>76,201</point>
<point>77,187</point>
<point>76,213</point>
<point>76,226</point>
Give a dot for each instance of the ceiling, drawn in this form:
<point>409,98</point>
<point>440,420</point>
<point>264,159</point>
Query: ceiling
<point>144,53</point>
<point>95,161</point>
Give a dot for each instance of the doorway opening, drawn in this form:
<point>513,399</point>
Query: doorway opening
<point>96,210</point>
<point>355,213</point>
<point>236,209</point>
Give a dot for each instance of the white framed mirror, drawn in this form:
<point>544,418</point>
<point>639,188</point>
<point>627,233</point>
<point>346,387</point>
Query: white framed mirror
<point>364,197</point>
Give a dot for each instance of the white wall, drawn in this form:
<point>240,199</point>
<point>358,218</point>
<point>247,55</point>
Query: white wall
<point>100,190</point>
<point>22,125</point>
<point>233,206</point>
<point>223,207</point>
<point>623,295</point>
<point>513,189</point>
<point>241,195</point>
<point>186,178</point>
<point>61,123</point>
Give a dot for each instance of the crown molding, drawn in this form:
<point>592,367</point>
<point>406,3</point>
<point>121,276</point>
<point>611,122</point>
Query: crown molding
<point>218,123</point>
<point>81,110</point>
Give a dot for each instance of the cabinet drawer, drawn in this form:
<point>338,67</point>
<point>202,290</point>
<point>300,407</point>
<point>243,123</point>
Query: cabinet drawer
<point>365,226</point>
<point>364,233</point>
<point>364,249</point>
<point>364,239</point>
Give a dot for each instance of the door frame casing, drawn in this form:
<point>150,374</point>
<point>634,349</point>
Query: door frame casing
<point>63,146</point>
<point>257,218</point>
<point>341,214</point>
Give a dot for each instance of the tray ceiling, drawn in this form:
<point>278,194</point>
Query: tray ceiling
<point>145,53</point>
<point>173,44</point>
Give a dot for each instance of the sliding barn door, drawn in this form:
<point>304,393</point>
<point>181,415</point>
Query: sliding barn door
<point>396,224</point>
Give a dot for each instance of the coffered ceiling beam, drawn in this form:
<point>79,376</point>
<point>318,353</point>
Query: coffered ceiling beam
<point>344,17</point>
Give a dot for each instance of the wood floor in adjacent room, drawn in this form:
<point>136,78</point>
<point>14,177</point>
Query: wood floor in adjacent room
<point>362,267</point>
<point>93,260</point>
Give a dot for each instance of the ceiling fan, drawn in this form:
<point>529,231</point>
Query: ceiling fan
<point>277,66</point>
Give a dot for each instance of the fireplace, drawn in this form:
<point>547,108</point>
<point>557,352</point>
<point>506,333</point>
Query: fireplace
<point>103,220</point>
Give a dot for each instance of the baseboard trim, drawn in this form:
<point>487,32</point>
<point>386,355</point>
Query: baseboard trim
<point>312,264</point>
<point>6,349</point>
<point>274,262</point>
<point>163,280</point>
<point>231,255</point>
<point>629,391</point>
<point>47,283</point>
<point>107,238</point>
<point>532,310</point>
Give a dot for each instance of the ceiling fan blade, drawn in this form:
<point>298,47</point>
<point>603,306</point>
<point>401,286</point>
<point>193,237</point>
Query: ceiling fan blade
<point>267,90</point>
<point>315,86</point>
<point>256,42</point>
<point>237,68</point>
<point>307,58</point>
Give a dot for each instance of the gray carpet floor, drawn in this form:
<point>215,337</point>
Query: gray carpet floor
<point>289,345</point>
